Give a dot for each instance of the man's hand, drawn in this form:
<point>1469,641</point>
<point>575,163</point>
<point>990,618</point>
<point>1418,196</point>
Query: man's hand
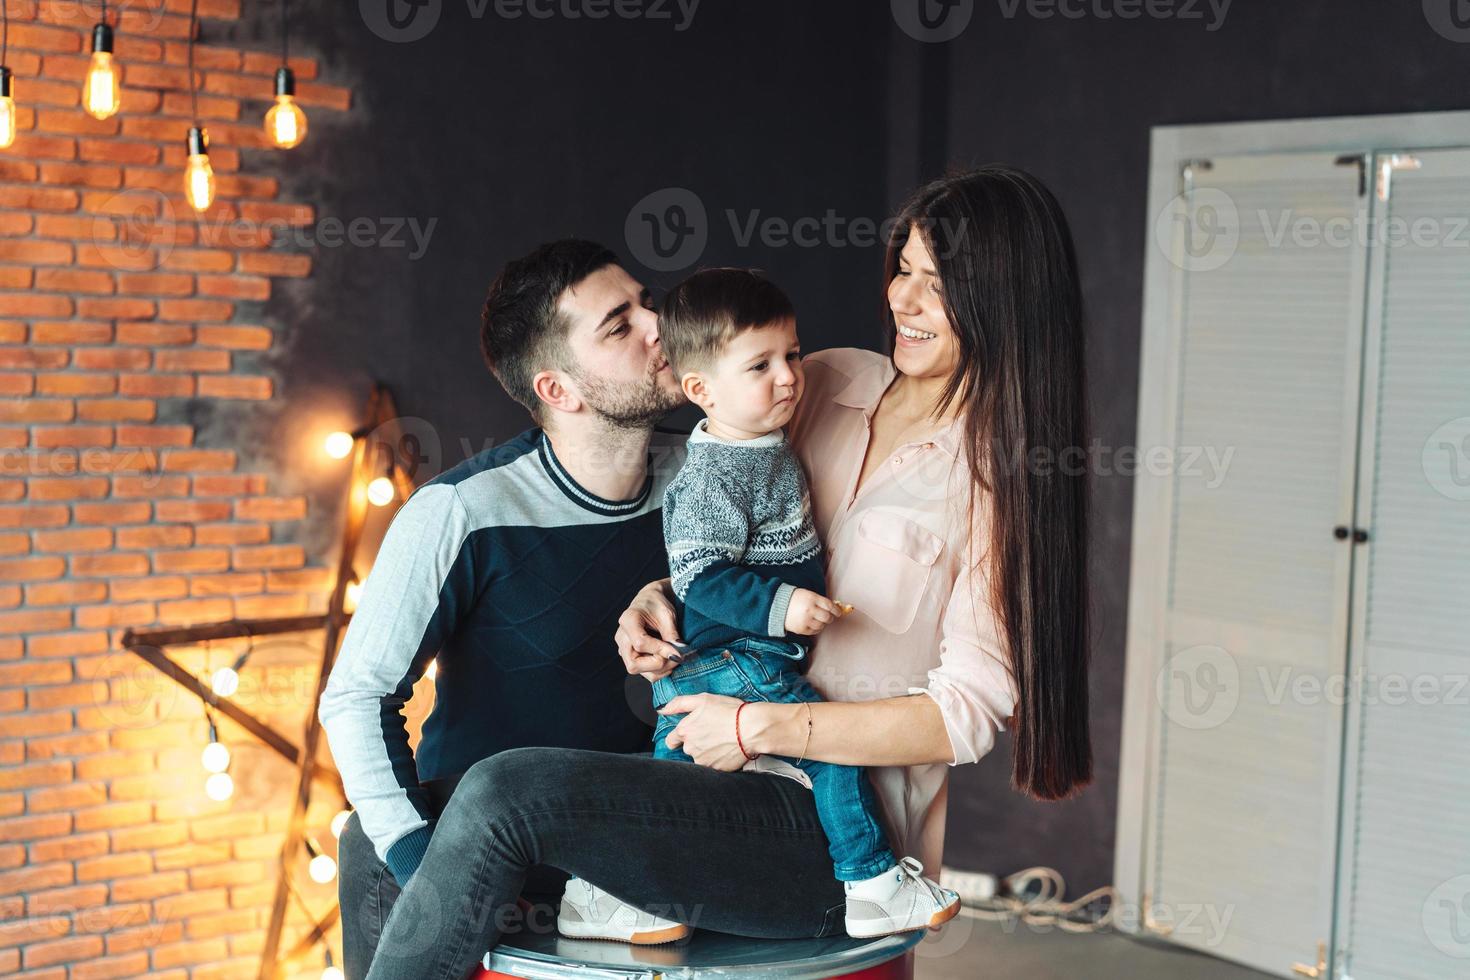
<point>810,612</point>
<point>644,629</point>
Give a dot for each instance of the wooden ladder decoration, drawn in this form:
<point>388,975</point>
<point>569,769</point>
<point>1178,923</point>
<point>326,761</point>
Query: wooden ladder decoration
<point>378,439</point>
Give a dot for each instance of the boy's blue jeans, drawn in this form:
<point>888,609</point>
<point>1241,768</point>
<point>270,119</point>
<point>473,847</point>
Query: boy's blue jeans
<point>761,669</point>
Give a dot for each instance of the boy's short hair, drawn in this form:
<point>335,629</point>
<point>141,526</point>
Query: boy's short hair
<point>521,330</point>
<point>706,311</point>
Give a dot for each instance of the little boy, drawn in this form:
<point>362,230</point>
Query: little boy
<point>747,567</point>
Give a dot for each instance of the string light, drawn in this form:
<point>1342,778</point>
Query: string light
<point>322,868</point>
<point>216,755</point>
<point>285,123</point>
<point>198,174</point>
<point>339,444</point>
<point>380,492</point>
<point>102,92</point>
<point>331,972</point>
<point>219,787</point>
<point>340,821</point>
<point>226,681</point>
<point>7,101</point>
<point>352,596</point>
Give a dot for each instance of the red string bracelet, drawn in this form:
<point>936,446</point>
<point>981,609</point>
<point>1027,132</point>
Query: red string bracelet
<point>739,744</point>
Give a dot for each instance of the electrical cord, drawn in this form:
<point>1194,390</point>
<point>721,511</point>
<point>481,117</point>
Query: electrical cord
<point>1035,896</point>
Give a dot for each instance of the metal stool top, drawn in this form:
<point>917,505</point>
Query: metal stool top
<point>706,954</point>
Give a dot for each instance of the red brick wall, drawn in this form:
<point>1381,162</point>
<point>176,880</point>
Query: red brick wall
<point>116,310</point>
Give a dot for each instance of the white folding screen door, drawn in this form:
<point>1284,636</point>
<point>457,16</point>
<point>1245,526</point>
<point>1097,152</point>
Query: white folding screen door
<point>1404,894</point>
<point>1305,629</point>
<point>1268,343</point>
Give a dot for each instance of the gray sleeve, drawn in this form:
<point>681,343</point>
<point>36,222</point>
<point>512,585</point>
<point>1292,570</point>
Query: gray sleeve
<point>420,586</point>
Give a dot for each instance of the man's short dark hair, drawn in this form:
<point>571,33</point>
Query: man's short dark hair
<point>521,330</point>
<point>706,311</point>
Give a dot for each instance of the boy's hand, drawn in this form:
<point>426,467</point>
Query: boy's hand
<point>810,612</point>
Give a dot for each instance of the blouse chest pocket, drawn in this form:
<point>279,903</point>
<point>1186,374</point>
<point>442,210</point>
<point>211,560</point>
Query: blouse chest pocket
<point>886,569</point>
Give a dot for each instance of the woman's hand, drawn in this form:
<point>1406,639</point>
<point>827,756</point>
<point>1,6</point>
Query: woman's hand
<point>649,617</point>
<point>707,732</point>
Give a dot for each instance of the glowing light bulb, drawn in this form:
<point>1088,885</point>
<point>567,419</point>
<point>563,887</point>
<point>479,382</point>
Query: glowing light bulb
<point>102,92</point>
<point>219,787</point>
<point>322,869</point>
<point>225,682</point>
<point>198,174</point>
<point>340,821</point>
<point>285,123</point>
<point>7,110</point>
<point>432,670</point>
<point>380,491</point>
<point>352,597</point>
<point>339,445</point>
<point>215,757</point>
<point>333,973</point>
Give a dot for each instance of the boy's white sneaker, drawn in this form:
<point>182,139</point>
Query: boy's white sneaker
<point>588,912</point>
<point>900,899</point>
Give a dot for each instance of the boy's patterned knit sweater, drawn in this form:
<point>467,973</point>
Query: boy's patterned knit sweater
<point>738,527</point>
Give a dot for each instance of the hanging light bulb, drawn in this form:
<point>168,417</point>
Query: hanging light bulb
<point>7,110</point>
<point>225,682</point>
<point>322,868</point>
<point>340,821</point>
<point>102,93</point>
<point>198,174</point>
<point>352,596</point>
<point>219,787</point>
<point>216,755</point>
<point>330,972</point>
<point>380,491</point>
<point>339,445</point>
<point>285,123</point>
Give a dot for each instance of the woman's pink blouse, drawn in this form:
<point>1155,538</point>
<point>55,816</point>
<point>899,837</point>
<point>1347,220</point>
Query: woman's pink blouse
<point>907,555</point>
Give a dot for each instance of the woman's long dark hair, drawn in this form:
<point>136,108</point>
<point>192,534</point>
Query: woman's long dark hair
<point>1008,274</point>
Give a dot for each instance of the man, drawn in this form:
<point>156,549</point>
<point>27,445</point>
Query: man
<point>510,570</point>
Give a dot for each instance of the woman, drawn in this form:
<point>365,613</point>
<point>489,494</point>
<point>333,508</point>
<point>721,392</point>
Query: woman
<point>953,526</point>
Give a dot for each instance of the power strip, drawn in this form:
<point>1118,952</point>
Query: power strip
<point>972,886</point>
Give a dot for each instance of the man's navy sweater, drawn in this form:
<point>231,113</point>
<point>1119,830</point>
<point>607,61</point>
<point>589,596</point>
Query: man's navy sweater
<point>512,576</point>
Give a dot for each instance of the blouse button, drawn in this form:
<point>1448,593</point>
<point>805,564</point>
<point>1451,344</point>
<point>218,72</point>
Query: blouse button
<point>897,460</point>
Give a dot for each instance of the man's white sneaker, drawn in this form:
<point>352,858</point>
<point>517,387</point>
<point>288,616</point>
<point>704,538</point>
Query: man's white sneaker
<point>901,899</point>
<point>588,912</point>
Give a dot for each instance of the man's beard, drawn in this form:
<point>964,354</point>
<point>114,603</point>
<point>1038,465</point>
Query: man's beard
<point>631,405</point>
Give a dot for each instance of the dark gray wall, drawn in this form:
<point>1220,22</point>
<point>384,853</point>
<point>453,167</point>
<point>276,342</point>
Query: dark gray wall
<point>1072,101</point>
<point>508,132</point>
